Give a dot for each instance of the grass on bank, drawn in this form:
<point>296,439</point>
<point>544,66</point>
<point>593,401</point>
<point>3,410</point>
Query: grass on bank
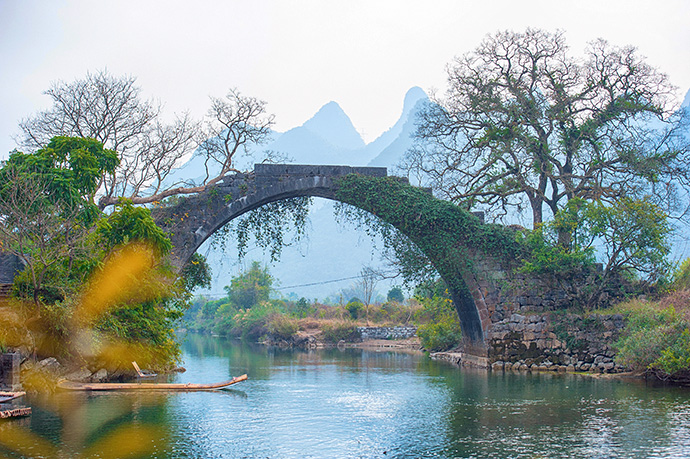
<point>656,338</point>
<point>282,320</point>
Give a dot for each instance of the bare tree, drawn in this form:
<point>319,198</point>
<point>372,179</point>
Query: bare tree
<point>525,125</point>
<point>110,109</point>
<point>368,280</point>
<point>232,124</point>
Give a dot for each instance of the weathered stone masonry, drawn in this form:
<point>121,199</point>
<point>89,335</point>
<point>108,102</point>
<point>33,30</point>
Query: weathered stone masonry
<point>496,292</point>
<point>387,332</point>
<point>555,342</point>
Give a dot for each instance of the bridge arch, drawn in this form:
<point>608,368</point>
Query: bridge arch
<point>455,241</point>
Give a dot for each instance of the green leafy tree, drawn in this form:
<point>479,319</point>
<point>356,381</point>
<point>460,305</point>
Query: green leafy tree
<point>632,237</point>
<point>197,273</point>
<point>132,224</point>
<point>47,204</point>
<point>302,307</point>
<point>634,234</point>
<point>251,287</point>
<point>49,218</point>
<point>395,294</point>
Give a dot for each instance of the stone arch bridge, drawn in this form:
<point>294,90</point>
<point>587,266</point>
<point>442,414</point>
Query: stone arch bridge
<point>474,275</point>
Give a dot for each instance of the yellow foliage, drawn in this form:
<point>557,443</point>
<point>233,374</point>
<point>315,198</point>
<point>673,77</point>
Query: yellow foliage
<point>126,276</point>
<point>120,279</point>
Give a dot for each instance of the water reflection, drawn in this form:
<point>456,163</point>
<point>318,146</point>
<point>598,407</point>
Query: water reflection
<point>363,404</point>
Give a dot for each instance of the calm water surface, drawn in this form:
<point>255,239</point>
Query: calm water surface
<point>363,404</point>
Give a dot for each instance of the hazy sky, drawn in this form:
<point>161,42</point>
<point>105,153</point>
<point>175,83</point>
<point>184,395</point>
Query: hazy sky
<point>298,55</point>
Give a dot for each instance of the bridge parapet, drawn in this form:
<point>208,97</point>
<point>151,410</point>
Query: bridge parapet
<point>266,176</point>
<point>295,171</point>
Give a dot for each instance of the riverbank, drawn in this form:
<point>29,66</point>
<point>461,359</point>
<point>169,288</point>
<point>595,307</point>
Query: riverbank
<point>326,335</point>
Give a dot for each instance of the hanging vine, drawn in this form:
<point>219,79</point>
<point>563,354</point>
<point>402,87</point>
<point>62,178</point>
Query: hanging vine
<point>439,229</point>
<point>268,225</point>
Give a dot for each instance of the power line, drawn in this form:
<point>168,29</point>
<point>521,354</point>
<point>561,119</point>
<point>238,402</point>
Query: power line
<point>331,281</point>
<point>311,284</point>
<point>319,283</point>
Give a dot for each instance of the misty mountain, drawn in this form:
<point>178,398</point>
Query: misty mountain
<point>401,132</point>
<point>333,250</point>
<point>326,138</point>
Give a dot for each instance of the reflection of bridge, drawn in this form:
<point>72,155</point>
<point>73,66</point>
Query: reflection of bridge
<point>472,284</point>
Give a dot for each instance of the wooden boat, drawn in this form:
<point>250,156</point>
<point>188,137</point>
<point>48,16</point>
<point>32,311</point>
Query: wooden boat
<point>7,396</point>
<point>67,385</point>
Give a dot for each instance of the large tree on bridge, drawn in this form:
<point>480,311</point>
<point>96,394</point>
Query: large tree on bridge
<point>525,125</point>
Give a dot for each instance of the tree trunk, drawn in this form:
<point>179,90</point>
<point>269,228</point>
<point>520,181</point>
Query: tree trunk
<point>536,202</point>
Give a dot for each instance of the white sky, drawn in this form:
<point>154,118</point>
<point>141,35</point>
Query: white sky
<point>298,55</point>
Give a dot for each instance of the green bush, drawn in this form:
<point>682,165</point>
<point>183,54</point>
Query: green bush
<point>438,324</point>
<point>354,308</point>
<point>252,323</point>
<point>338,331</point>
<point>655,340</point>
<point>281,327</point>
<point>675,358</point>
<point>681,277</point>
<point>548,257</point>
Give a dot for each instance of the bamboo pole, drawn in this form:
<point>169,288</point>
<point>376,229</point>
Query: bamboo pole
<point>148,386</point>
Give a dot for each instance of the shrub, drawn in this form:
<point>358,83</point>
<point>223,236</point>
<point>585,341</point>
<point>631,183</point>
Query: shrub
<point>338,331</point>
<point>281,327</point>
<point>675,359</point>
<point>354,308</point>
<point>656,340</point>
<point>438,324</point>
<point>681,277</point>
<point>252,323</point>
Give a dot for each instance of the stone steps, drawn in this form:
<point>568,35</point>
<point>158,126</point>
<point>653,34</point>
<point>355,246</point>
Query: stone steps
<point>5,290</point>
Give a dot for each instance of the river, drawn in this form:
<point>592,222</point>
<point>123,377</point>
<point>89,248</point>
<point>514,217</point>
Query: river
<point>357,403</point>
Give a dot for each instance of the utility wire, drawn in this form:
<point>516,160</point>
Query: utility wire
<point>330,281</point>
<point>318,283</point>
<point>305,285</point>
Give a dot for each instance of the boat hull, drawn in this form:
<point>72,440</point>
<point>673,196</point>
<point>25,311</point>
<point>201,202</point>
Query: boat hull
<point>67,385</point>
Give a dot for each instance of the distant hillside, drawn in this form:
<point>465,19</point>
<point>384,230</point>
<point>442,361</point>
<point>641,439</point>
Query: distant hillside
<point>391,153</point>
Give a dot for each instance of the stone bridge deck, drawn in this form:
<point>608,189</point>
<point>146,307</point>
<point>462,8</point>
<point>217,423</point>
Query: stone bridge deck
<point>197,217</point>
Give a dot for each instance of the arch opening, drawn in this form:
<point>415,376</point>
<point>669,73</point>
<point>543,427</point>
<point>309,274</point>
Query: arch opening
<point>412,211</point>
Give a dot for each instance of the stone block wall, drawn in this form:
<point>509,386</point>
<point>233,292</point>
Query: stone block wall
<point>10,266</point>
<point>387,332</point>
<point>555,342</point>
<point>9,371</point>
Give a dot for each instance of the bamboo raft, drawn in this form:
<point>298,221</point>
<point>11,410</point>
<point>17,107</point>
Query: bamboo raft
<point>7,396</point>
<point>67,385</point>
<point>13,412</point>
